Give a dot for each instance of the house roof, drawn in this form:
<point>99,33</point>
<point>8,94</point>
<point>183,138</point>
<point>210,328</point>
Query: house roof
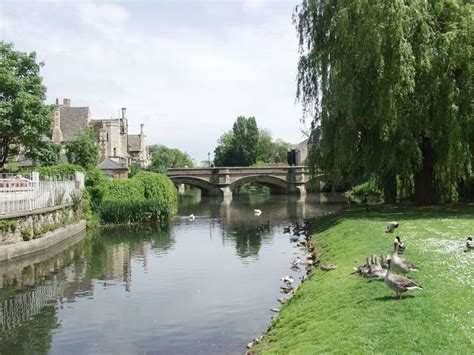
<point>74,120</point>
<point>134,143</point>
<point>109,164</point>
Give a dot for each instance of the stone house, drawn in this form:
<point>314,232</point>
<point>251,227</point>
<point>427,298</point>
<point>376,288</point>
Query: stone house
<point>112,133</point>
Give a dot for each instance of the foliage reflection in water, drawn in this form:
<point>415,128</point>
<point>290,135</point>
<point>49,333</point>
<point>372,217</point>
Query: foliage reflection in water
<point>201,286</point>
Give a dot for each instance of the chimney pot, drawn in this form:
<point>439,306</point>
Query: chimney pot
<point>124,111</point>
<point>67,102</point>
<point>57,101</point>
<point>141,128</point>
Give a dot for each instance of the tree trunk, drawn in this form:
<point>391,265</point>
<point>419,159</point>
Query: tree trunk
<point>424,178</point>
<point>389,186</point>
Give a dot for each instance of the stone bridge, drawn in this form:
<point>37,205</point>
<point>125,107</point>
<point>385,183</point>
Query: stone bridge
<point>223,181</point>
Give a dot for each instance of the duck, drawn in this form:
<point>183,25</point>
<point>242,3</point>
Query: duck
<point>469,243</point>
<point>399,283</point>
<point>294,239</point>
<point>391,226</point>
<point>288,280</point>
<point>191,217</point>
<point>401,265</point>
<point>296,262</point>
<point>286,230</point>
<point>265,226</point>
<point>257,212</point>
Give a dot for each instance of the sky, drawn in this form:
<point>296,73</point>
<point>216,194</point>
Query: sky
<point>186,69</point>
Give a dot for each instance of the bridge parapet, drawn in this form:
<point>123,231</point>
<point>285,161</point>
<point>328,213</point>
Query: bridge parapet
<point>222,180</point>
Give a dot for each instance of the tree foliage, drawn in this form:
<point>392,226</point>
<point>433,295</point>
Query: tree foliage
<point>45,154</point>
<point>249,146</point>
<point>24,118</point>
<point>164,158</point>
<point>390,84</point>
<point>83,151</point>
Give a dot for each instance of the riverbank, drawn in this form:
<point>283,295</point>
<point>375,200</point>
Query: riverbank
<point>339,312</point>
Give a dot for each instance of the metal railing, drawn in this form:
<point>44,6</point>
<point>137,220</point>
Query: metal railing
<point>19,194</point>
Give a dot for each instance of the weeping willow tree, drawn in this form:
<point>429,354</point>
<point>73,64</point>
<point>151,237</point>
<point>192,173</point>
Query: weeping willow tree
<point>389,84</point>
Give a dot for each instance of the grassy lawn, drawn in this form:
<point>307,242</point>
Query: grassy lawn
<point>343,313</point>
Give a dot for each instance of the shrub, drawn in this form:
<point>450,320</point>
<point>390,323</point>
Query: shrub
<point>124,190</point>
<point>147,197</point>
<point>60,171</point>
<point>26,233</point>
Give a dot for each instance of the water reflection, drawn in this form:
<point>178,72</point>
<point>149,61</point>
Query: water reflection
<point>138,289</point>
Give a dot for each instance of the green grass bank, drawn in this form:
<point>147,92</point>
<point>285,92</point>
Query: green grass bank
<point>338,312</point>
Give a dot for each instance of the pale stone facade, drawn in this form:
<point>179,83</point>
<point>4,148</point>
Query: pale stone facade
<point>112,133</point>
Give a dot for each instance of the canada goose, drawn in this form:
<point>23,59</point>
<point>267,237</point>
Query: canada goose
<point>401,265</point>
<point>469,243</point>
<point>257,212</point>
<point>191,217</point>
<point>391,227</point>
<point>327,267</point>
<point>399,283</point>
<point>375,269</point>
<point>397,243</point>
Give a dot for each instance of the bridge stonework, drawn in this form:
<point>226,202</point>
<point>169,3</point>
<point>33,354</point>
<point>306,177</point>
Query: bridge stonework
<point>223,181</point>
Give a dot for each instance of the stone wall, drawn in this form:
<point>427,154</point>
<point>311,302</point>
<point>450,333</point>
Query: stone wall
<point>25,226</point>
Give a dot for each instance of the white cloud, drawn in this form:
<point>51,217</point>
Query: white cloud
<point>187,84</point>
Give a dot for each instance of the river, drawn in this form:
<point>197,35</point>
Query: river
<point>202,286</point>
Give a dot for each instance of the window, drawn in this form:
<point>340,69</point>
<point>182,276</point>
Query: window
<point>106,137</point>
<point>115,152</point>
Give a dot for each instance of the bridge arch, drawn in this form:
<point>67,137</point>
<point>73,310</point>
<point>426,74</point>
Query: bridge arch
<point>276,184</point>
<point>205,186</point>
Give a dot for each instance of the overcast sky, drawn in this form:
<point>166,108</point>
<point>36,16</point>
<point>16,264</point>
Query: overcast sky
<point>186,69</point>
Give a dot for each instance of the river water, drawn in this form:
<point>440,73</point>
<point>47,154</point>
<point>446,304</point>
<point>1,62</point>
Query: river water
<point>202,286</point>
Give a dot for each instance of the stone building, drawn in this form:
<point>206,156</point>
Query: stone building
<point>112,133</point>
<point>69,122</point>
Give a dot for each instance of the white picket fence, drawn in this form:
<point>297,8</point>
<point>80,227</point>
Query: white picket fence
<point>20,194</point>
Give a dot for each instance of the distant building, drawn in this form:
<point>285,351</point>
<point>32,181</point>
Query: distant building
<point>137,150</point>
<point>112,133</point>
<point>69,122</point>
<point>298,155</point>
<point>114,169</point>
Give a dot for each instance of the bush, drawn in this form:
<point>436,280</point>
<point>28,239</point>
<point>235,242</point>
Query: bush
<point>123,190</point>
<point>60,171</point>
<point>147,197</point>
<point>369,187</point>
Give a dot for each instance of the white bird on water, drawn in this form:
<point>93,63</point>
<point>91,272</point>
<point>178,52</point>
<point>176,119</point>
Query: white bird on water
<point>257,212</point>
<point>191,217</point>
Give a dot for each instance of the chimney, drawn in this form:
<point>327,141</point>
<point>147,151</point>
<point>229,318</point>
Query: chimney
<point>141,128</point>
<point>67,102</point>
<point>124,111</point>
<point>57,101</point>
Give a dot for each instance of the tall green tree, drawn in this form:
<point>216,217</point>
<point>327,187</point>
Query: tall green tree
<point>246,136</point>
<point>164,158</point>
<point>225,152</point>
<point>389,83</point>
<point>270,151</point>
<point>24,118</point>
<point>84,150</point>
<point>238,147</point>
